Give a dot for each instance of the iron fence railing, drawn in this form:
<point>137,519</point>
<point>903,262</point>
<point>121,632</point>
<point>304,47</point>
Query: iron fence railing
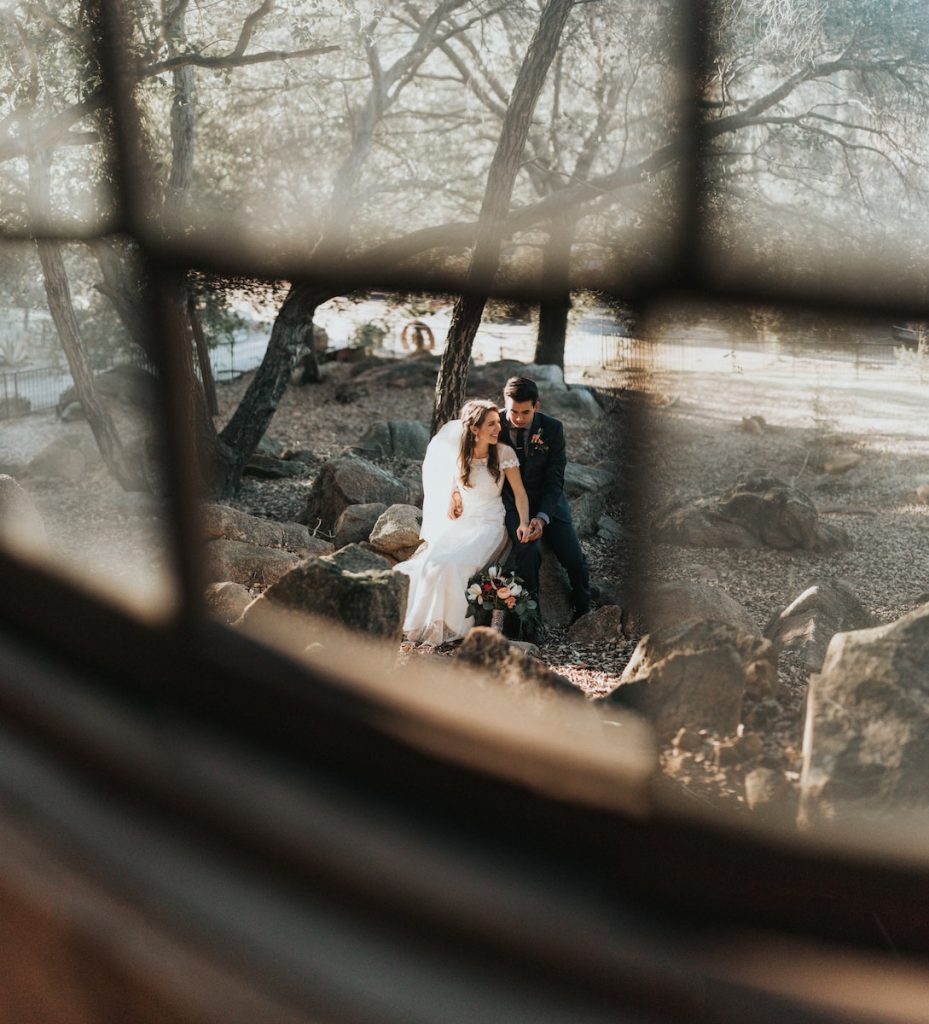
<point>41,388</point>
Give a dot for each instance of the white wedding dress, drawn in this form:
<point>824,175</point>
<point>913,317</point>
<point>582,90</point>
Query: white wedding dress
<point>457,548</point>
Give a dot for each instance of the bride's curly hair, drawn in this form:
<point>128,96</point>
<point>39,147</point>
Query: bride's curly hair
<point>472,416</point>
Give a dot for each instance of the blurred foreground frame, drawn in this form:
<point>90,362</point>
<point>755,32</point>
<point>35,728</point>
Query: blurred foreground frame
<point>198,827</point>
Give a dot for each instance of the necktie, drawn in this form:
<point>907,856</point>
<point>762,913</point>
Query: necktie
<point>521,440</point>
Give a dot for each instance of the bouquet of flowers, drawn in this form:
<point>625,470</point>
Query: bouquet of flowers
<point>498,591</point>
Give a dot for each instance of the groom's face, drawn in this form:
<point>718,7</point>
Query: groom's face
<point>519,414</point>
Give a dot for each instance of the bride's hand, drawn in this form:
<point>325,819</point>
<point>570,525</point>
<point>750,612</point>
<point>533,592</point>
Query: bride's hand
<point>523,532</point>
<point>454,506</point>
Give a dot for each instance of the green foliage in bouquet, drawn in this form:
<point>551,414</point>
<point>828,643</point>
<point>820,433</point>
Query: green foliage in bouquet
<point>497,590</point>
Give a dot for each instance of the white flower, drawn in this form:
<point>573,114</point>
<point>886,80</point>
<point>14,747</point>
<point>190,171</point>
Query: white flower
<point>515,589</point>
<point>474,591</point>
<point>494,570</point>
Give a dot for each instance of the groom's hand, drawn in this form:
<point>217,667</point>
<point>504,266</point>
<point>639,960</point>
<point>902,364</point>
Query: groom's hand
<point>536,526</point>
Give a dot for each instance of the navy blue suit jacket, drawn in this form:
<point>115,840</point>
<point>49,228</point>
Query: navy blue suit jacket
<point>541,466</point>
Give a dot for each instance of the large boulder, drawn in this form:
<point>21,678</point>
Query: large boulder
<point>352,586</point>
<point>227,600</point>
<point>667,604</point>
<point>580,479</point>
<point>812,619</point>
<point>866,741</point>
<point>356,522</point>
<point>406,439</point>
<point>247,564</point>
<point>575,402</point>
<point>396,532</point>
<point>348,481</point>
<point>412,480</point>
<point>69,457</point>
<point>600,625</point>
<point>21,525</point>
<point>506,665</point>
<point>412,372</point>
<point>694,676</point>
<point>126,385</point>
<point>758,511</point>
<point>227,523</point>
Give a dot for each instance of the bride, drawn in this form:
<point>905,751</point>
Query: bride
<point>463,475</point>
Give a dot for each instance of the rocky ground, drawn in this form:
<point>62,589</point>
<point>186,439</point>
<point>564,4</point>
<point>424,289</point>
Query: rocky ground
<point>116,542</point>
<point>814,418</point>
<point>329,417</point>
<point>857,442</point>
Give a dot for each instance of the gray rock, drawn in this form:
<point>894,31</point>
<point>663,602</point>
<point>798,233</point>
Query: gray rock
<point>580,479</point>
<point>601,625</point>
<point>668,604</point>
<point>575,402</point>
<point>758,511</point>
<point>544,374</point>
<point>419,371</point>
<point>247,564</point>
<point>65,458</point>
<point>609,529</point>
<point>505,664</point>
<point>348,481</point>
<point>412,480</point>
<point>352,586</point>
<point>766,792</point>
<point>223,521</point>
<point>270,467</point>
<point>867,725</point>
<point>605,591</point>
<point>226,601</point>
<point>586,510</point>
<point>270,446</point>
<point>126,385</point>
<point>356,522</point>
<point>694,676</point>
<point>810,621</point>
<point>21,525</point>
<point>396,531</point>
<point>405,439</point>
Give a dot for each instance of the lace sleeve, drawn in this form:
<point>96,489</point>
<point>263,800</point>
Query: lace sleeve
<point>508,459</point>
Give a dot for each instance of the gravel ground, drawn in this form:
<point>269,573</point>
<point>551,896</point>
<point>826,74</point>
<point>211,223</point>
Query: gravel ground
<point>697,447</point>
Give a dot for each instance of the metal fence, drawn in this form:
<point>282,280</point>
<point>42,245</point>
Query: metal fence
<point>37,390</point>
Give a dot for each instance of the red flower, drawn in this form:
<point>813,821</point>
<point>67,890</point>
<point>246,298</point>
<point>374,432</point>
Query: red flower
<point>487,587</point>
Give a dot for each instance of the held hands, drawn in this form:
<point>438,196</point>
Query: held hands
<point>535,528</point>
<point>454,506</point>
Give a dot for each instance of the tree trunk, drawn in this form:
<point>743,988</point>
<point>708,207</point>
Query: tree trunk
<point>203,357</point>
<point>293,328</point>
<point>58,292</point>
<point>485,258</point>
<point>130,475</point>
<point>553,311</point>
<point>121,285</point>
<point>553,329</point>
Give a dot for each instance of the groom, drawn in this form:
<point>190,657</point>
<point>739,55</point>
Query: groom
<point>540,446</point>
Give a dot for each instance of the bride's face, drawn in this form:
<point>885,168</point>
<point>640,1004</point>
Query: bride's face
<point>489,430</point>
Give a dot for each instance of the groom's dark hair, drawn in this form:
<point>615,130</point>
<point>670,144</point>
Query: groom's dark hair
<point>521,389</point>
